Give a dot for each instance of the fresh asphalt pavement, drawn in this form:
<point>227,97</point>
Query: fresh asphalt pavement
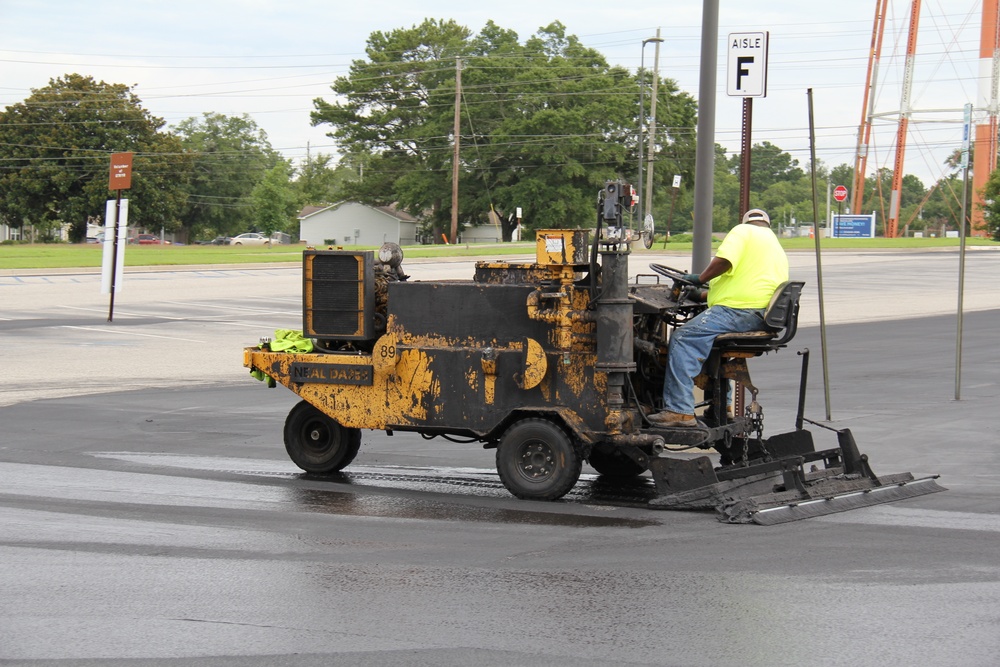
<point>149,515</point>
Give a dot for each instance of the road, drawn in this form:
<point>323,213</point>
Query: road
<point>149,515</point>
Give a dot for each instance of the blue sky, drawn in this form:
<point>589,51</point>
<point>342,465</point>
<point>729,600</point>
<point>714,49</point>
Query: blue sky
<point>271,59</point>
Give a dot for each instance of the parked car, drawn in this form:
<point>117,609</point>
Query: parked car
<point>218,240</point>
<point>147,239</point>
<point>250,238</point>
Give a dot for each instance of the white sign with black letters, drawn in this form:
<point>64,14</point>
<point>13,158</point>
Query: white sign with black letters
<point>747,64</point>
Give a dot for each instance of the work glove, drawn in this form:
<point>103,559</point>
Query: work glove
<point>692,278</point>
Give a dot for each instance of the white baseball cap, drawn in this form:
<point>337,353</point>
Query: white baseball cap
<point>756,215</point>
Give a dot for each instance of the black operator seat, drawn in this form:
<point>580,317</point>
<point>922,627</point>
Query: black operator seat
<point>781,320</point>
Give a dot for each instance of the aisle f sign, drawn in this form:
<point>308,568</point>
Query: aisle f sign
<point>747,71</point>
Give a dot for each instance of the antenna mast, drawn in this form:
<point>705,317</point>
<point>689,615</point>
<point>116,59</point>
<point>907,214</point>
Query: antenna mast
<point>868,108</point>
<point>984,159</point>
<point>904,121</point>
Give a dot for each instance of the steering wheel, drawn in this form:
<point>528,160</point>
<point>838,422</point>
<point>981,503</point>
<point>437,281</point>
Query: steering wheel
<point>672,273</point>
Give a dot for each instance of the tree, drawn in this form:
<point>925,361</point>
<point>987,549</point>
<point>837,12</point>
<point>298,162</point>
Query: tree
<point>231,156</point>
<point>544,124</point>
<point>274,200</point>
<point>321,181</point>
<point>878,195</point>
<point>552,123</point>
<point>726,193</point>
<point>396,108</point>
<point>942,206</point>
<point>788,200</point>
<point>991,205</point>
<point>843,174</point>
<point>57,146</point>
<point>768,165</point>
<point>674,153</point>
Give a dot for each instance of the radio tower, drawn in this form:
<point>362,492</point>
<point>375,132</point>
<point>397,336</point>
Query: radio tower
<point>904,120</point>
<point>984,160</point>
<point>868,108</point>
<point>987,109</point>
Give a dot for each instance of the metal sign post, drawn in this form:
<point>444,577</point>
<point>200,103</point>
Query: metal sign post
<point>840,194</point>
<point>673,203</point>
<point>961,252</point>
<point>819,261</point>
<point>119,179</point>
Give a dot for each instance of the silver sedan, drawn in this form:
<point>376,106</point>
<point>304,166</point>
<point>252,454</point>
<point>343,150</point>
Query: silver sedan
<point>250,238</point>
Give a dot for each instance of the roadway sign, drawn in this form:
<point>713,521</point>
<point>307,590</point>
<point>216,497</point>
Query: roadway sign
<point>747,71</point>
<point>121,171</point>
<point>840,193</point>
<point>854,226</point>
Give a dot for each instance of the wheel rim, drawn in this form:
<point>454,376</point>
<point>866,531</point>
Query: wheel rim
<point>536,461</point>
<point>317,437</point>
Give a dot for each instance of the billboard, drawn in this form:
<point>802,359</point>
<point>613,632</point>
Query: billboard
<point>854,226</point>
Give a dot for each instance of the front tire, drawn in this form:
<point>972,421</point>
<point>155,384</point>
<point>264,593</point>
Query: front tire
<point>536,460</point>
<point>317,443</point>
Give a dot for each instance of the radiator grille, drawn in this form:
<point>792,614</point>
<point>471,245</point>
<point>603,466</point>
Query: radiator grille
<point>338,294</point>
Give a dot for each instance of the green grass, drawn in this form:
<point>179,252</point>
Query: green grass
<point>90,255</point>
<point>65,255</point>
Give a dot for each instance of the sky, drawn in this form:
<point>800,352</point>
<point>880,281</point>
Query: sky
<point>272,59</point>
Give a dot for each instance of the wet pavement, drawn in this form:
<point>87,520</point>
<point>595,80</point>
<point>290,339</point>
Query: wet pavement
<point>162,524</point>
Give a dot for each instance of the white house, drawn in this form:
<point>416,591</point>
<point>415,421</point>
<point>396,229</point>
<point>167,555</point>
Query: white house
<point>491,232</point>
<point>11,233</point>
<point>481,234</point>
<point>351,223</point>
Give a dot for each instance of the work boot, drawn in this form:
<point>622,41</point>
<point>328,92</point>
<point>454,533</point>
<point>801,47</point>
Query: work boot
<point>668,418</point>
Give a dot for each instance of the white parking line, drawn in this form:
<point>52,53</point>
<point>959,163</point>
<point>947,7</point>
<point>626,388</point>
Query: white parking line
<point>133,333</point>
<point>256,325</point>
<point>122,312</point>
<point>236,308</point>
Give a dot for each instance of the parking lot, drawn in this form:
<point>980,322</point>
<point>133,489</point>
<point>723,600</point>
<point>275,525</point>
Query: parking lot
<point>149,514</point>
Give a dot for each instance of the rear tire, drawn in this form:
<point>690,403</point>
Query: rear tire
<point>317,443</point>
<point>536,460</point>
<point>613,464</point>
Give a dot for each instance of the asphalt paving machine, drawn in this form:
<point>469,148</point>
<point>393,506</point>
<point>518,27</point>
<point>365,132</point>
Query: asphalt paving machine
<point>553,363</point>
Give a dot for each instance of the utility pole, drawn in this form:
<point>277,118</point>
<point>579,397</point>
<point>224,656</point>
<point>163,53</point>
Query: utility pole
<point>642,111</point>
<point>648,207</point>
<point>455,153</point>
<point>704,166</point>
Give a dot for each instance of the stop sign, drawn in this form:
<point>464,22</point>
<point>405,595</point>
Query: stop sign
<point>840,193</point>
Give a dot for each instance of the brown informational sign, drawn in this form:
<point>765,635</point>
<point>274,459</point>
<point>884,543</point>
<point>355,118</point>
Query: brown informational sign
<point>121,171</point>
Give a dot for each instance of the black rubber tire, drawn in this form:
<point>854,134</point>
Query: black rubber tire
<point>536,460</point>
<point>612,464</point>
<point>317,443</point>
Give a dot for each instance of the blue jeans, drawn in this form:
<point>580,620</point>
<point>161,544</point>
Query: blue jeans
<point>689,347</point>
